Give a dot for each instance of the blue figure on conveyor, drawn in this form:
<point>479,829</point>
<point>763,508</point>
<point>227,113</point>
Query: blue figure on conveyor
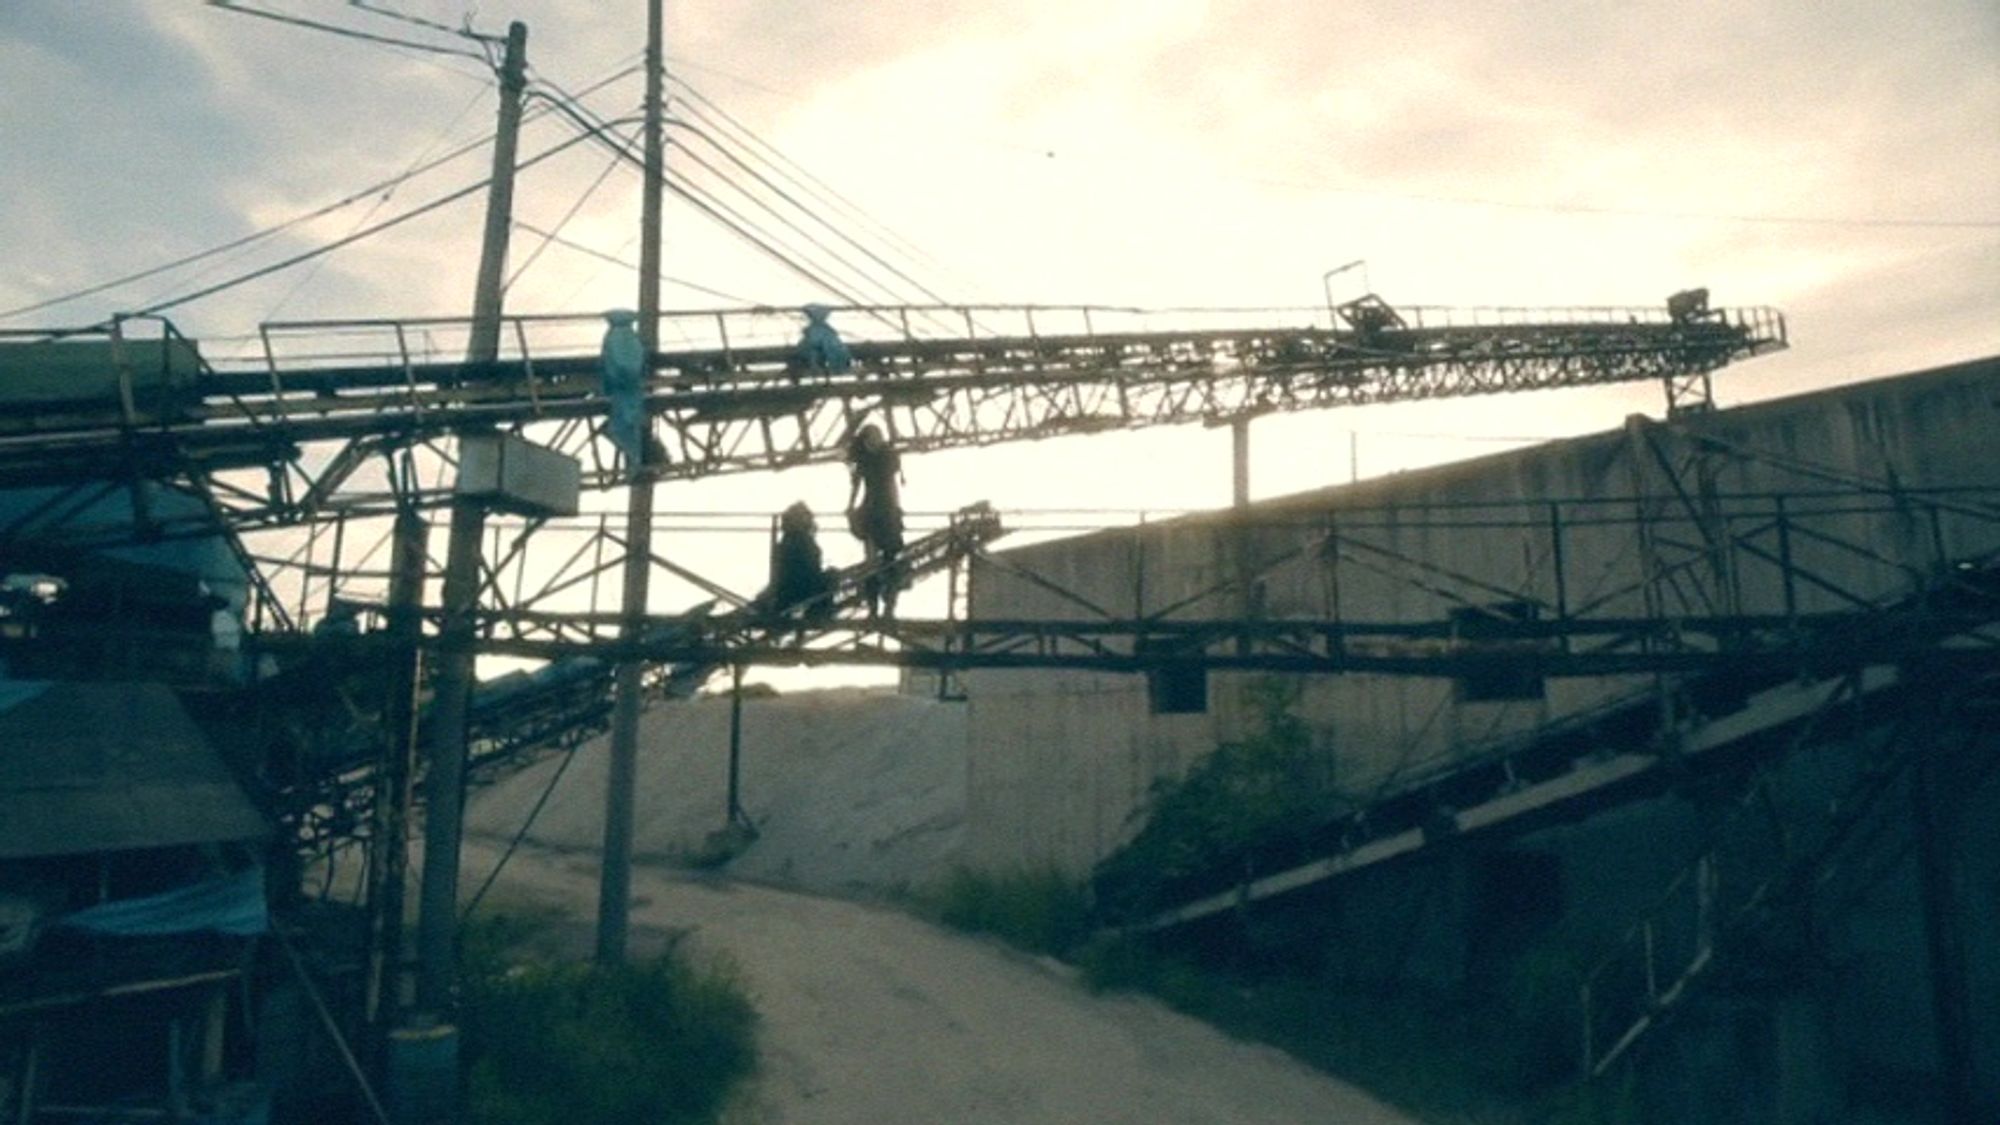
<point>624,375</point>
<point>820,347</point>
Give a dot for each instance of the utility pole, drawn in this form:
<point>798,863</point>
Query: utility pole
<point>614,897</point>
<point>444,788</point>
<point>488,292</point>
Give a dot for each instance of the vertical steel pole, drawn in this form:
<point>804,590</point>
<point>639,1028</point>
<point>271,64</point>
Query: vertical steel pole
<point>1951,991</point>
<point>1239,449</point>
<point>444,781</point>
<point>615,887</point>
<point>735,812</point>
<point>389,854</point>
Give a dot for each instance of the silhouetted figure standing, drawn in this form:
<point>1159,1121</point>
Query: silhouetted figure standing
<point>799,580</point>
<point>875,513</point>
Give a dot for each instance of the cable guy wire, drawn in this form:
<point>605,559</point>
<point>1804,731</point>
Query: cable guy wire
<point>548,237</point>
<point>551,238</point>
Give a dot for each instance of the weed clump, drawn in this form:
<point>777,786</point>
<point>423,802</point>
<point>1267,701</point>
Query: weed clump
<point>1037,909</point>
<point>660,1040</point>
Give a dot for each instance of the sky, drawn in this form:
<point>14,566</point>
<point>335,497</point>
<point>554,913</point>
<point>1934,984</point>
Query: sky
<point>1838,161</point>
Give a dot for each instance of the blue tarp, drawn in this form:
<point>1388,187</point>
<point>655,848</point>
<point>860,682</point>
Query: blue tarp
<point>13,693</point>
<point>208,558</point>
<point>231,904</point>
<point>623,360</point>
<point>820,347</point>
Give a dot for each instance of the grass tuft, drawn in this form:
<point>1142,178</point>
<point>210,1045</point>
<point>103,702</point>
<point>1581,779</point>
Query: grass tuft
<point>661,1040</point>
<point>1037,909</point>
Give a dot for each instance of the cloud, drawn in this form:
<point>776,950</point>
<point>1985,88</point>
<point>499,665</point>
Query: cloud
<point>1224,152</point>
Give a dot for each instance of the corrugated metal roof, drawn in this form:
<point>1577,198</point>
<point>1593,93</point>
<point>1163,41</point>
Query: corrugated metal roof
<point>106,767</point>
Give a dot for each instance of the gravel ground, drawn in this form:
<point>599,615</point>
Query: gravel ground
<point>873,1017</point>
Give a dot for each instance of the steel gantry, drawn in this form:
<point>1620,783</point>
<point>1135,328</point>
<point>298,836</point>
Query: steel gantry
<point>299,432</point>
<point>352,429</point>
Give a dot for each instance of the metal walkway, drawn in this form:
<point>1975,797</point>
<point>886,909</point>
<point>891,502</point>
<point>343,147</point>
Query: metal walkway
<point>733,395</point>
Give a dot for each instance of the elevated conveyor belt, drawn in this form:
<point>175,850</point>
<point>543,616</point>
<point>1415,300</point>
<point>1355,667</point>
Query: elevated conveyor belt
<point>737,400</point>
<point>569,700</point>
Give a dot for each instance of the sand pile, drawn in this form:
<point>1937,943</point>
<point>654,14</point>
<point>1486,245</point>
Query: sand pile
<point>853,791</point>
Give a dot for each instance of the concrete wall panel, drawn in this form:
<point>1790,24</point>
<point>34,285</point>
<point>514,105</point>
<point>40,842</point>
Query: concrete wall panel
<point>1061,762</point>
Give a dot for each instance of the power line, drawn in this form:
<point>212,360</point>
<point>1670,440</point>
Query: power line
<point>346,32</point>
<point>374,190</point>
<point>804,178</point>
<point>357,236</point>
<point>550,237</point>
<point>464,32</point>
<point>865,277</point>
<point>380,201</point>
<point>370,191</point>
<point>855,272</point>
<point>723,215</point>
<point>781,193</point>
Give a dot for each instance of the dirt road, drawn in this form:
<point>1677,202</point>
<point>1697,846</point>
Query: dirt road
<point>871,1016</point>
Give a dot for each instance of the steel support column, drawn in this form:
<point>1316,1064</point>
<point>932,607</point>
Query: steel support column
<point>615,887</point>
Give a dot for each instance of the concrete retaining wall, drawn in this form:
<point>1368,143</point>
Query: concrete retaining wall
<point>1061,762</point>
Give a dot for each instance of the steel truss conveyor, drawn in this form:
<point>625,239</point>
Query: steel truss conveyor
<point>736,397</point>
<point>514,718</point>
<point>567,701</point>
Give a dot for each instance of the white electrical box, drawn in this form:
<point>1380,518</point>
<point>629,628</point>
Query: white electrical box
<point>515,475</point>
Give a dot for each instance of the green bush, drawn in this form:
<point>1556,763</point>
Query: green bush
<point>1248,793</point>
<point>659,1040</point>
<point>1037,909</point>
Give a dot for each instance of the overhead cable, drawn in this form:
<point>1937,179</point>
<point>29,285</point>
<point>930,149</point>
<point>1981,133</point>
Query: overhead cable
<point>547,237</point>
<point>580,118</point>
<point>347,32</point>
<point>349,200</point>
<point>700,105</point>
<point>854,272</point>
<point>371,191</point>
<point>560,97</point>
<point>552,238</point>
<point>357,236</point>
<point>781,193</point>
<point>381,201</point>
<point>465,32</point>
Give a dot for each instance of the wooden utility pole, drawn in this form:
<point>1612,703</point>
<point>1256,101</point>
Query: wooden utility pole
<point>489,292</point>
<point>614,896</point>
<point>444,782</point>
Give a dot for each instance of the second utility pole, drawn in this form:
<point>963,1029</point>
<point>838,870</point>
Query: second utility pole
<point>614,896</point>
<point>444,782</point>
